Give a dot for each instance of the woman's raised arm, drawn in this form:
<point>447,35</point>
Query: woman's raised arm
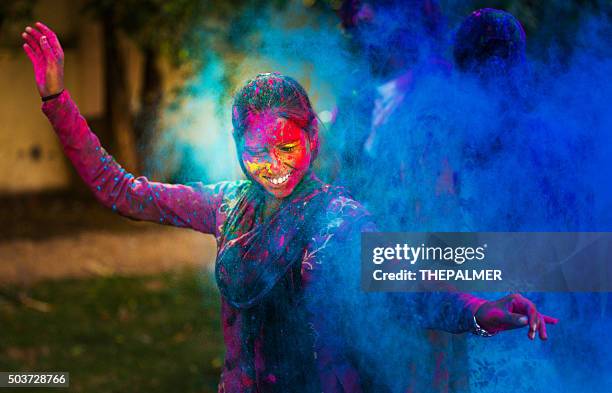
<point>137,198</point>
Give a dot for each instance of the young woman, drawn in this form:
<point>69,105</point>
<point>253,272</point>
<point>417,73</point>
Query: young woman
<point>279,235</point>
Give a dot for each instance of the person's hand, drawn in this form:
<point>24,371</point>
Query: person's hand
<point>512,312</point>
<point>47,56</point>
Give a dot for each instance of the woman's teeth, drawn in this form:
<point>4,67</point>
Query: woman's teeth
<point>279,180</point>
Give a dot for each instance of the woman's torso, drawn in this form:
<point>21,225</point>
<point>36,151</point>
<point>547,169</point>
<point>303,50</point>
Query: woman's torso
<point>272,344</point>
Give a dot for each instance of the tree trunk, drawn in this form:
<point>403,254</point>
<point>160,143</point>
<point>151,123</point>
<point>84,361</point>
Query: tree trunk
<point>147,120</point>
<point>117,102</point>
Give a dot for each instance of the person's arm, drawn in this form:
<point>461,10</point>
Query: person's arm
<point>451,312</point>
<point>337,262</point>
<point>137,198</point>
<point>458,312</point>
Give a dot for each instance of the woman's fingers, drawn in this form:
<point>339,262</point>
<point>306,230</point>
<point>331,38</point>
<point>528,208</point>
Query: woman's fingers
<point>32,42</point>
<point>52,37</point>
<point>28,50</point>
<point>522,310</point>
<point>515,321</point>
<point>542,330</point>
<point>534,319</point>
<point>47,51</point>
<point>550,320</point>
<point>33,32</point>
<point>523,305</point>
<point>36,36</point>
<point>46,31</point>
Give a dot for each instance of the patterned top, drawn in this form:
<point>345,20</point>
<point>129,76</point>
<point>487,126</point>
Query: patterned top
<point>275,274</point>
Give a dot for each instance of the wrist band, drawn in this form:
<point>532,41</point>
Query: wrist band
<point>52,96</point>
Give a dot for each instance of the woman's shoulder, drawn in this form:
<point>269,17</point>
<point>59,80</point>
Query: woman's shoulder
<point>222,197</point>
<point>341,201</point>
<point>342,213</point>
<point>341,220</point>
<point>223,190</point>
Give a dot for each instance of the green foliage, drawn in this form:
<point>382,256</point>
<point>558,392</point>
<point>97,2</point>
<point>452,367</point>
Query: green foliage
<point>158,333</point>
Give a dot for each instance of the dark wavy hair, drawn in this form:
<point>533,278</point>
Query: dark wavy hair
<point>280,95</point>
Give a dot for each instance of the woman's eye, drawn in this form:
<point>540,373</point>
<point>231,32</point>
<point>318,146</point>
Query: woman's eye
<point>286,149</point>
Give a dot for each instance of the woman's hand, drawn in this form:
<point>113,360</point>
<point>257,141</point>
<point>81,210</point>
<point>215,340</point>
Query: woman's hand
<point>47,56</point>
<point>512,312</point>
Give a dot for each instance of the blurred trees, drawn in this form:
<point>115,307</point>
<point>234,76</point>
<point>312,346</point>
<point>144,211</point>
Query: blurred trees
<point>154,26</point>
<point>13,12</point>
<point>180,32</point>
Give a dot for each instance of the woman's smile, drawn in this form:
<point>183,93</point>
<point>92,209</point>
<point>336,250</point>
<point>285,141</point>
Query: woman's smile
<point>278,180</point>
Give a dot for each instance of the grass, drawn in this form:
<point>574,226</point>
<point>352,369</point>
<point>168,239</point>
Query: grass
<point>158,333</point>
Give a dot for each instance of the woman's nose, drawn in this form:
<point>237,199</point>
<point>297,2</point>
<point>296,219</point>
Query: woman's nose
<point>275,162</point>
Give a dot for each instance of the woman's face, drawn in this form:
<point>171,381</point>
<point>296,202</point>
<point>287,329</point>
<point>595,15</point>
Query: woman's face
<point>276,153</point>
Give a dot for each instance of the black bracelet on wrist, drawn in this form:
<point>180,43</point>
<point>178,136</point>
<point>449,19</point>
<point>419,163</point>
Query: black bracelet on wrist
<point>52,96</point>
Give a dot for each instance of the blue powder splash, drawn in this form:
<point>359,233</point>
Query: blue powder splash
<point>531,152</point>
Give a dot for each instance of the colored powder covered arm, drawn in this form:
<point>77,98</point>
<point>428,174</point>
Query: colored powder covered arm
<point>191,206</point>
<point>334,258</point>
<point>450,311</point>
<point>440,308</point>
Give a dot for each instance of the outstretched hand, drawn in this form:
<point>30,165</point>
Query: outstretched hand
<point>512,312</point>
<point>47,57</point>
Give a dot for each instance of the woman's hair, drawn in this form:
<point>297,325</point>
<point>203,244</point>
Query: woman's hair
<point>279,95</point>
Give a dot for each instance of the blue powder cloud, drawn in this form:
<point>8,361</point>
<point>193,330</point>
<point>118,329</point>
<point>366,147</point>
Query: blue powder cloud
<point>532,152</point>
